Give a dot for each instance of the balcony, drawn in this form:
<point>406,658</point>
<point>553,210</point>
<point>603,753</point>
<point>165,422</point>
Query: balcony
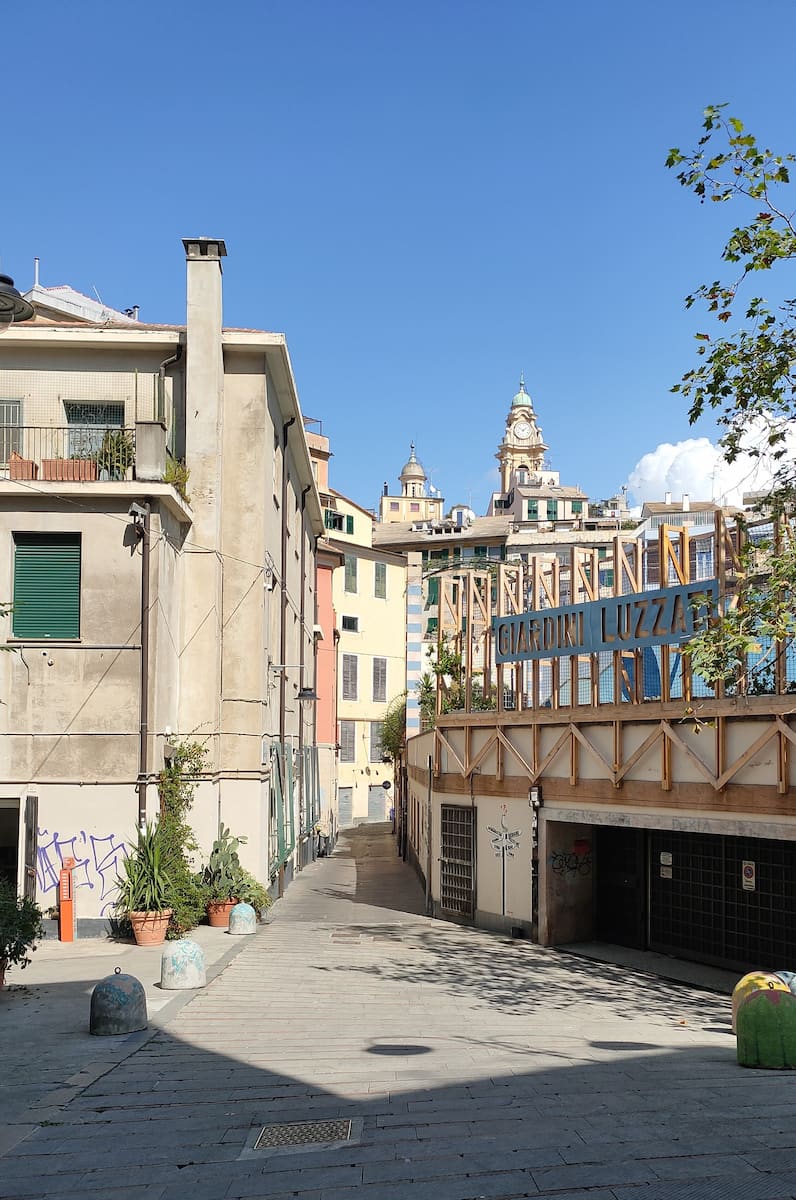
<point>71,453</point>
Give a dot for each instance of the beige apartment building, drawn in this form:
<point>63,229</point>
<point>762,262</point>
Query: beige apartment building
<point>370,606</point>
<point>159,519</point>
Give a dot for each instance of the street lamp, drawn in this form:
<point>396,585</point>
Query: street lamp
<point>13,306</point>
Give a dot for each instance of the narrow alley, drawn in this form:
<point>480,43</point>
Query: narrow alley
<point>447,1063</point>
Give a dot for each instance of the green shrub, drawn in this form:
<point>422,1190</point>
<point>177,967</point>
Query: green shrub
<point>176,788</point>
<point>20,927</point>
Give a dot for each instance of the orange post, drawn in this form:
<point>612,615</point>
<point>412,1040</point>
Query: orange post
<point>66,902</point>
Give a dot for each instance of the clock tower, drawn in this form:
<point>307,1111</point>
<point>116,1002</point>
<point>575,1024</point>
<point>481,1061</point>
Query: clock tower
<point>522,449</point>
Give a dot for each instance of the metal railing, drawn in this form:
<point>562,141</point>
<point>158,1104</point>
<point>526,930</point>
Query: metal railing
<point>69,453</point>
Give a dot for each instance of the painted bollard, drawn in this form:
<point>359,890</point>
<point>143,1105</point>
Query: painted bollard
<point>750,983</point>
<point>118,1006</point>
<point>788,978</point>
<point>767,1029</point>
<point>242,920</point>
<point>182,965</point>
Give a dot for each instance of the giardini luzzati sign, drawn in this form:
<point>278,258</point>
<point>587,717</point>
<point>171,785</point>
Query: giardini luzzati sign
<point>665,617</point>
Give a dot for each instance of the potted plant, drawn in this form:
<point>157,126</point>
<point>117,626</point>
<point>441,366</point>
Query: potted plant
<point>116,454</point>
<point>20,929</point>
<point>144,887</point>
<point>222,878</point>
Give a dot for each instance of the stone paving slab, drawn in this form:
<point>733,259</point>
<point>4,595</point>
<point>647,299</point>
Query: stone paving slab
<point>475,1065</point>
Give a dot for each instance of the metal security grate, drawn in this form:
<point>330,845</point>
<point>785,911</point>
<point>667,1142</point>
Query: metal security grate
<point>701,908</point>
<point>457,861</point>
<point>302,1133</point>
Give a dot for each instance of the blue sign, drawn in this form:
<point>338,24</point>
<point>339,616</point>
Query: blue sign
<point>660,618</point>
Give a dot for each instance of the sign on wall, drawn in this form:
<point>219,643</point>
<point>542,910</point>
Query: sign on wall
<point>664,617</point>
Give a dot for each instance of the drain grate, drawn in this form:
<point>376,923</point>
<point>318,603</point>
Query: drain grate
<point>302,1133</point>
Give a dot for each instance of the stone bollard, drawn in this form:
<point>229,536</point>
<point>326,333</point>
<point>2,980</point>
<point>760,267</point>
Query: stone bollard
<point>182,965</point>
<point>767,1029</point>
<point>242,920</point>
<point>118,1006</point>
<point>751,983</point>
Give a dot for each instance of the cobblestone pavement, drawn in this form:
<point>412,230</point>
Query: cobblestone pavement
<point>469,1066</point>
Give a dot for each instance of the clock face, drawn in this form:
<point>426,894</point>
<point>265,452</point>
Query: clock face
<point>522,429</point>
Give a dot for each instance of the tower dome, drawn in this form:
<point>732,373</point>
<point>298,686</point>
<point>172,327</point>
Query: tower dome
<point>413,477</point>
<point>413,470</point>
<point>522,399</point>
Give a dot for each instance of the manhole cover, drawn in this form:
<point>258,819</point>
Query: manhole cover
<point>302,1133</point>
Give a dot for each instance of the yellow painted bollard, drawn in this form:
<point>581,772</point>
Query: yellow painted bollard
<point>751,983</point>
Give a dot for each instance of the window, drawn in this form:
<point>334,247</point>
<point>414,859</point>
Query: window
<point>349,677</point>
<point>380,581</point>
<point>552,510</point>
<point>46,585</point>
<point>347,741</point>
<point>533,510</point>
<point>350,624</point>
<point>577,507</point>
<point>350,584</point>
<point>349,524</point>
<point>332,519</point>
<point>380,680</point>
<point>87,425</point>
<point>394,506</point>
<point>375,741</point>
<point>414,508</point>
<point>10,428</point>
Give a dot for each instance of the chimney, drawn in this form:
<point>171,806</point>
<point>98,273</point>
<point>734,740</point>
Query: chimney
<point>686,502</point>
<point>204,381</point>
<point>667,497</point>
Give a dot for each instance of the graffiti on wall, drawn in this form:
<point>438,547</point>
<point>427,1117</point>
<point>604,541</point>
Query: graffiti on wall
<point>98,861</point>
<point>571,863</point>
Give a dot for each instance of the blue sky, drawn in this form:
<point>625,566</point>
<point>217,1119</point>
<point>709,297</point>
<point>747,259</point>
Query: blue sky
<point>427,198</point>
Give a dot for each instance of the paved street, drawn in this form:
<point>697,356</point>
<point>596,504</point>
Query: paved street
<point>469,1065</point>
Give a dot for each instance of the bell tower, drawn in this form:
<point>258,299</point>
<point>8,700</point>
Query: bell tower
<point>522,448</point>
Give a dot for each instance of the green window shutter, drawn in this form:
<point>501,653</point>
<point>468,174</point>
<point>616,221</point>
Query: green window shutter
<point>46,585</point>
<point>433,592</point>
<point>350,584</point>
<point>577,506</point>
<point>533,510</point>
<point>552,510</point>
<point>380,581</point>
<point>349,524</point>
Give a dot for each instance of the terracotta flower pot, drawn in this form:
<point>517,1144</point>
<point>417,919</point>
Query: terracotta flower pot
<point>218,912</point>
<point>149,928</point>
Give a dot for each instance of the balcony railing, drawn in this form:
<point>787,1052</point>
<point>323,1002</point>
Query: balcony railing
<point>71,453</point>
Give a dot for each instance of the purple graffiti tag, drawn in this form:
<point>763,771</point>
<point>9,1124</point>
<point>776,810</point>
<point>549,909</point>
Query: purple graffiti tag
<point>108,855</point>
<point>50,858</point>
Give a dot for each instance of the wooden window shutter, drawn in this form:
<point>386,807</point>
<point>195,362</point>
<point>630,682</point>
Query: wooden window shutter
<point>349,677</point>
<point>347,741</point>
<point>380,680</point>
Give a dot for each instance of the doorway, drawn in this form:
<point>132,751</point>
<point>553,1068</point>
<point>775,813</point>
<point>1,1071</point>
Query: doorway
<point>620,886</point>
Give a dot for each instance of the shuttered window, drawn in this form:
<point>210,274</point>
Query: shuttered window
<point>347,745</point>
<point>350,573</point>
<point>349,677</point>
<point>380,680</point>
<point>46,585</point>
<point>375,741</point>
<point>380,581</point>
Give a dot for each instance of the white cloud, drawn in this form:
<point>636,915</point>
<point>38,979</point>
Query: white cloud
<point>696,467</point>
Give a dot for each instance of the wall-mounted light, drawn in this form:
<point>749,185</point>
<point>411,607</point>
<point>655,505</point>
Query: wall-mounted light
<point>535,799</point>
<point>307,695</point>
